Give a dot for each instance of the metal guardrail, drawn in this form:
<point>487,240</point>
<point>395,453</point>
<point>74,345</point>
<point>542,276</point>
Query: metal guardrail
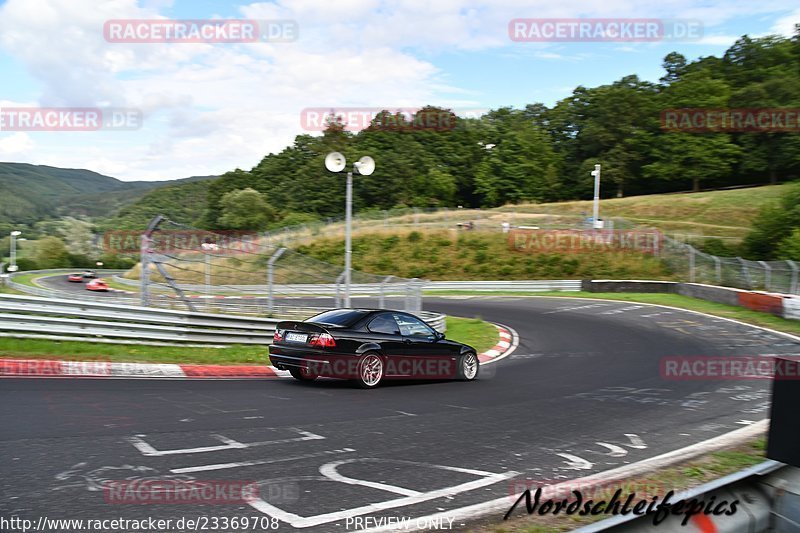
<point>513,285</point>
<point>767,496</point>
<point>61,319</point>
<point>389,288</point>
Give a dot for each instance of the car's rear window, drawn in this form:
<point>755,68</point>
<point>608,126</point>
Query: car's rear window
<point>338,317</point>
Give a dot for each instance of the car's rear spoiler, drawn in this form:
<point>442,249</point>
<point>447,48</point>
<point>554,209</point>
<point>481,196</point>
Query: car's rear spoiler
<point>296,325</point>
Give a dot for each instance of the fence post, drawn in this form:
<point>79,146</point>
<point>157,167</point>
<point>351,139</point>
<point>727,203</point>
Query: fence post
<point>418,296</point>
<point>381,301</point>
<point>338,290</point>
<point>767,274</point>
<point>691,263</point>
<point>717,268</point>
<point>746,273</point>
<point>793,288</point>
<point>271,280</point>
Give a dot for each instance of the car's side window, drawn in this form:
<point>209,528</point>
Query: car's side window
<point>414,327</point>
<point>384,323</point>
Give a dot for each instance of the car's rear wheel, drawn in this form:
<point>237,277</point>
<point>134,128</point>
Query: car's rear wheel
<point>302,374</point>
<point>370,370</point>
<point>468,367</point>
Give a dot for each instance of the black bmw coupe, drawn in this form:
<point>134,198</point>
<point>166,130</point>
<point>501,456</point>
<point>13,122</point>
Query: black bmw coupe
<point>367,346</point>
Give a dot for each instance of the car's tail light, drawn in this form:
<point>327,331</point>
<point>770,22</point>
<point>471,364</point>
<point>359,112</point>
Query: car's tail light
<point>323,341</point>
<point>278,336</point>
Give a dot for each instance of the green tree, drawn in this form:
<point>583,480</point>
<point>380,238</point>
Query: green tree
<point>789,247</point>
<point>52,253</point>
<point>246,209</point>
<point>773,225</point>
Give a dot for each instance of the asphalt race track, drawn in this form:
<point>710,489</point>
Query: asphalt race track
<point>61,283</point>
<point>581,394</point>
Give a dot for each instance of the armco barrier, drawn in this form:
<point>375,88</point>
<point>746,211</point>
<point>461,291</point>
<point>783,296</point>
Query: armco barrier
<point>766,303</point>
<point>710,293</point>
<point>791,308</point>
<point>766,496</point>
<point>62,319</point>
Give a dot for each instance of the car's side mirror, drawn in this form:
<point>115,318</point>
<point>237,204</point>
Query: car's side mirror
<point>439,335</point>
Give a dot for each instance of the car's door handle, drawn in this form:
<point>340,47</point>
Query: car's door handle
<point>407,341</point>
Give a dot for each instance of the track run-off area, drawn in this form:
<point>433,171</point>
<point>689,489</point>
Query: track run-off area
<point>582,394</point>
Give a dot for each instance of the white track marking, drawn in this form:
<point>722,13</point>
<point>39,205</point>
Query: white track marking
<point>254,462</point>
<point>614,450</point>
<point>297,521</point>
<point>645,466</point>
<point>636,441</point>
<point>228,444</point>
<point>575,463</point>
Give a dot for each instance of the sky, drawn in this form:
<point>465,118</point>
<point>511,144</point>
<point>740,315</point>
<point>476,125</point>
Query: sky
<point>207,108</point>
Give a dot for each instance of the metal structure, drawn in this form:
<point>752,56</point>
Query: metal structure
<point>768,496</point>
<point>695,266</point>
<point>335,162</point>
<point>237,265</point>
<point>112,322</point>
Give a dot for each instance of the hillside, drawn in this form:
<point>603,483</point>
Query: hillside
<point>183,202</point>
<point>29,193</point>
<point>725,213</point>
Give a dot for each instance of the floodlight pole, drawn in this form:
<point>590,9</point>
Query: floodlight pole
<point>596,204</point>
<point>348,237</point>
<point>13,252</point>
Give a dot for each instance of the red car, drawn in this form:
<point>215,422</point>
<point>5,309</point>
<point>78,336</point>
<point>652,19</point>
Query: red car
<point>97,285</point>
<point>75,277</point>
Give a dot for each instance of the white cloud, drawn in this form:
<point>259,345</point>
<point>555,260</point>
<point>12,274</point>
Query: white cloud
<point>211,108</point>
<point>15,145</point>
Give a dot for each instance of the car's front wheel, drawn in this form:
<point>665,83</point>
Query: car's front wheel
<point>370,370</point>
<point>302,374</point>
<point>468,367</point>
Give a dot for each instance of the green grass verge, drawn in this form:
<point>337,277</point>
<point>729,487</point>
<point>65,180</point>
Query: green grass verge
<point>130,353</point>
<point>478,333</point>
<point>475,332</point>
<point>678,477</point>
<point>28,279</point>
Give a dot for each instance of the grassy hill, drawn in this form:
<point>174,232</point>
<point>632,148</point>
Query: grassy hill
<point>29,193</point>
<point>725,213</point>
<point>445,254</point>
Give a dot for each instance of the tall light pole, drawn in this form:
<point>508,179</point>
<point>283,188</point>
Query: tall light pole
<point>335,162</point>
<point>13,266</point>
<point>596,207</point>
<point>207,248</point>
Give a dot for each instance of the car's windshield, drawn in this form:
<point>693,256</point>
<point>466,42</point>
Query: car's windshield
<point>338,317</point>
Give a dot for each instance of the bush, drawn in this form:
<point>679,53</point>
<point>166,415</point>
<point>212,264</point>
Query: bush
<point>26,264</point>
<point>414,236</point>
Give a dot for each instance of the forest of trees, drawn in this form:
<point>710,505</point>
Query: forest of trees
<point>540,153</point>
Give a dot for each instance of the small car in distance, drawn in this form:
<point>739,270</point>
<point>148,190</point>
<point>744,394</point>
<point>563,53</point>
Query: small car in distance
<point>89,274</point>
<point>75,278</point>
<point>97,284</point>
<point>368,346</point>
